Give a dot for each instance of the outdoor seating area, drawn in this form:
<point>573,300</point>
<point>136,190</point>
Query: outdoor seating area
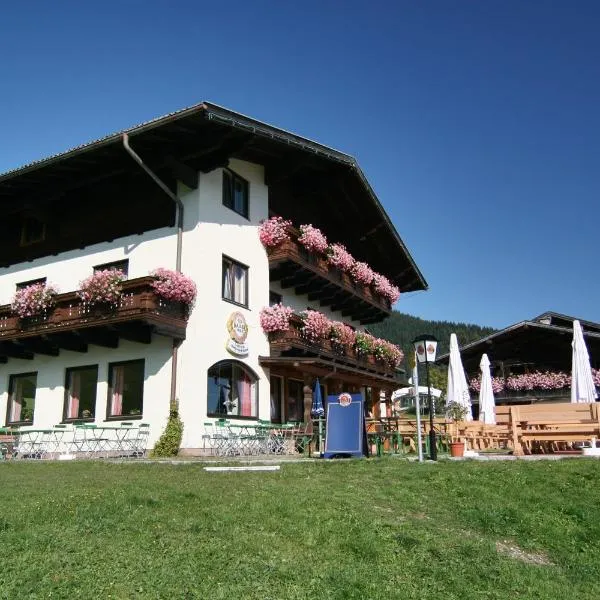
<point>78,441</point>
<point>226,439</point>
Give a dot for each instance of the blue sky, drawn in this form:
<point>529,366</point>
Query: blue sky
<point>477,122</point>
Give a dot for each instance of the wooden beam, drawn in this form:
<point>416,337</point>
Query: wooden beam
<point>100,337</point>
<point>142,334</point>
<point>39,346</point>
<point>13,350</point>
<point>183,172</point>
<point>67,341</point>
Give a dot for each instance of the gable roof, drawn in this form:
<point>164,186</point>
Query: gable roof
<point>200,132</point>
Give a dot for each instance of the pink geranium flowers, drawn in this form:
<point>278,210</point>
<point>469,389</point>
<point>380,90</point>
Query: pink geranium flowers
<point>274,231</point>
<point>384,288</point>
<point>313,239</point>
<point>103,287</point>
<point>316,325</point>
<point>33,300</point>
<point>174,286</point>
<point>362,273</point>
<point>275,318</point>
<point>339,257</point>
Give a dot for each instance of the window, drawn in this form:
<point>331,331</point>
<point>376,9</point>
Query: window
<point>24,284</point>
<point>232,390</point>
<point>21,398</point>
<point>119,265</point>
<point>32,231</point>
<point>235,282</point>
<point>125,389</point>
<point>275,298</point>
<point>80,393</point>
<point>235,193</point>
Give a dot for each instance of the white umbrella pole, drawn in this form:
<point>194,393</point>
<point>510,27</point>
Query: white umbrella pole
<point>415,378</point>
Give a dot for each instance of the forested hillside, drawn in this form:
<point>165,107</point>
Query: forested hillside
<point>401,329</point>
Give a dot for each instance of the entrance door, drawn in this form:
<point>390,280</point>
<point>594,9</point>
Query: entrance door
<point>276,399</point>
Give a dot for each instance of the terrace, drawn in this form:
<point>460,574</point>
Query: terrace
<point>72,325</point>
<point>292,349</point>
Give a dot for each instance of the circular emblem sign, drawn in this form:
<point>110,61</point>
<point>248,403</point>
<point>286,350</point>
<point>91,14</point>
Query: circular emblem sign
<point>238,332</point>
<point>345,399</point>
<point>237,327</point>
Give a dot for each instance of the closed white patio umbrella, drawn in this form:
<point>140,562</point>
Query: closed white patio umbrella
<point>458,388</point>
<point>487,404</point>
<point>582,382</point>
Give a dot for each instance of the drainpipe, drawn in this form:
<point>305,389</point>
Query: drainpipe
<point>167,191</point>
<point>179,204</point>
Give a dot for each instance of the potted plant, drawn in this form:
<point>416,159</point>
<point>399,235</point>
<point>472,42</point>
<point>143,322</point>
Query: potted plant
<point>103,288</point>
<point>175,287</point>
<point>33,300</point>
<point>274,231</point>
<point>275,318</point>
<point>456,413</point>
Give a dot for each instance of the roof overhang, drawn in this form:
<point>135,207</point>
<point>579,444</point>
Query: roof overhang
<point>203,136</point>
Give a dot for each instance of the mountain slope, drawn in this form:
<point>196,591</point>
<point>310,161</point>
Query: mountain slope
<point>401,329</point>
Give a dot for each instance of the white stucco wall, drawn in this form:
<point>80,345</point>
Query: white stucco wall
<point>145,252</point>
<point>301,302</point>
<point>214,231</point>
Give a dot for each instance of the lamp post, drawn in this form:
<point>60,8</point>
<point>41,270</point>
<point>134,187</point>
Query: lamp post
<point>425,349</point>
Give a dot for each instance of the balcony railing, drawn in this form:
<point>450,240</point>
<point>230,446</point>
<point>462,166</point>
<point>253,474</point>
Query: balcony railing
<point>70,324</point>
<point>306,272</point>
<point>293,343</point>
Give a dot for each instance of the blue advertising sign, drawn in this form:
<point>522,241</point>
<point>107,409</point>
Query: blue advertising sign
<point>345,425</point>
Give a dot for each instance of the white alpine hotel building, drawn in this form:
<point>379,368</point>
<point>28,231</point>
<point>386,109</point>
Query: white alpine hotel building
<point>118,202</point>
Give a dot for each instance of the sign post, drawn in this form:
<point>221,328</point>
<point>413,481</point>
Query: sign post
<point>344,426</point>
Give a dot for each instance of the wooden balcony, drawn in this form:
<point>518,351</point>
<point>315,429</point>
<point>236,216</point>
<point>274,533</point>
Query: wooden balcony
<point>292,344</point>
<point>71,325</point>
<point>308,273</point>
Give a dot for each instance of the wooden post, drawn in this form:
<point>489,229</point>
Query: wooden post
<point>514,419</point>
<point>308,398</point>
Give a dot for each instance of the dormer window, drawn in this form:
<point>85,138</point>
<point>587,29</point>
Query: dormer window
<point>33,231</point>
<point>235,193</point>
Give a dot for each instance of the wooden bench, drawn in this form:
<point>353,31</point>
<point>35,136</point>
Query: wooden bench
<point>546,427</point>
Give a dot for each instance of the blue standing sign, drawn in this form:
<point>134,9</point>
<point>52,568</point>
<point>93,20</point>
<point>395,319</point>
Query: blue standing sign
<point>345,426</point>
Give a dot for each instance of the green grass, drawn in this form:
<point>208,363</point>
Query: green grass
<point>355,529</point>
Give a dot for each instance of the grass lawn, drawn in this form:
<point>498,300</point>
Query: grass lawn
<point>354,529</point>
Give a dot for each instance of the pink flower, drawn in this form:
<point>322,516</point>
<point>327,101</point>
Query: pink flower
<point>102,287</point>
<point>339,257</point>
<point>275,318</point>
<point>384,288</point>
<point>342,335</point>
<point>274,231</point>
<point>33,300</point>
<point>316,325</point>
<point>362,273</point>
<point>174,286</point>
<point>313,239</point>
<point>497,384</point>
